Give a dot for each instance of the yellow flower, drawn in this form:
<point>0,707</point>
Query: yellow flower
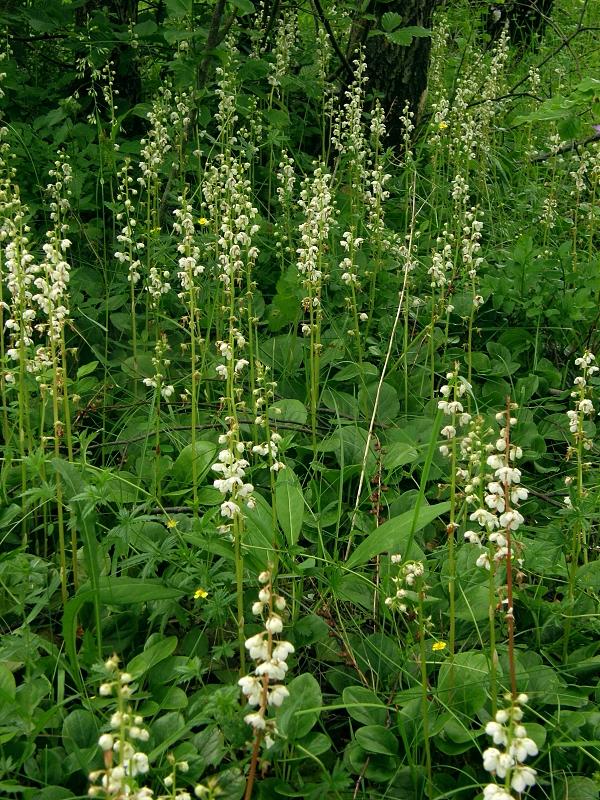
<point>200,593</point>
<point>439,646</point>
<point>155,230</point>
<point>202,221</point>
<point>172,523</point>
<point>442,125</point>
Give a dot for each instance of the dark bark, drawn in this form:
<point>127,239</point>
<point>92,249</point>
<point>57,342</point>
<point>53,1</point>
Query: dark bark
<point>399,73</point>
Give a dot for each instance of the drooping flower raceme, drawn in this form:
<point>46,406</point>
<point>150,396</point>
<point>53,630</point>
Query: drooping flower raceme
<point>123,763</point>
<point>506,760</point>
<point>263,688</point>
<point>501,498</point>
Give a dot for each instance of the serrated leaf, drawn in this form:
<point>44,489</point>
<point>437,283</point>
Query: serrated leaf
<point>245,6</point>
<point>404,36</point>
<point>179,8</point>
<point>146,28</point>
<point>390,20</point>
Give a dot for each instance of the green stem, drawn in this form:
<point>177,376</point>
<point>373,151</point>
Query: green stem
<point>424,687</point>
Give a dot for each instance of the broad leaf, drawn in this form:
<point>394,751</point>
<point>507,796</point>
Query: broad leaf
<point>393,533</point>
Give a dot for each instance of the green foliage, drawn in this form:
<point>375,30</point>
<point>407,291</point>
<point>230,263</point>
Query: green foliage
<point>469,249</point>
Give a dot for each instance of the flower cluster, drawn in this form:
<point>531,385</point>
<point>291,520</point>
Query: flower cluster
<point>508,732</point>
<point>271,656</point>
<point>454,389</point>
<point>21,270</point>
<point>232,468</point>
<point>409,573</point>
<point>158,142</point>
<point>583,404</point>
<point>52,282</point>
<point>122,761</point>
<point>128,246</point>
<point>188,250</point>
<point>498,503</point>
<point>159,362</point>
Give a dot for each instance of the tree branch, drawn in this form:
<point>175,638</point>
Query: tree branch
<point>335,45</point>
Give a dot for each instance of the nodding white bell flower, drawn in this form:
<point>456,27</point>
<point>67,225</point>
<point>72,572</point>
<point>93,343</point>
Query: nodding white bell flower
<point>508,475</point>
<point>229,509</point>
<point>495,462</point>
<point>277,695</point>
<point>484,518</point>
<point>518,494</point>
<point>521,748</point>
<point>257,720</point>
<point>497,731</point>
<point>472,537</point>
<point>257,646</point>
<point>522,777</point>
<point>282,650</point>
<point>511,519</point>
<point>274,624</point>
<point>494,792</point>
<point>252,687</point>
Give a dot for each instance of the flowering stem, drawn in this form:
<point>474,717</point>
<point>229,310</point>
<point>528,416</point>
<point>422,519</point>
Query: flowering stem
<point>424,687</point>
<point>510,618</point>
<point>239,576</point>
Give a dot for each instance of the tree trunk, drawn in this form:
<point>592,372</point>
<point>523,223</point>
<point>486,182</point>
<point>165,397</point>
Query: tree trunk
<point>400,73</point>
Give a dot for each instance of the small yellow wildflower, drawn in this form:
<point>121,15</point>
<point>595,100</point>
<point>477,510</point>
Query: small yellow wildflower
<point>438,646</point>
<point>442,125</point>
<point>155,230</point>
<point>172,523</point>
<point>202,221</point>
<point>200,593</point>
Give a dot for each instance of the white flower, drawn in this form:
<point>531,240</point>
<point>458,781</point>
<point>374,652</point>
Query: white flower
<point>229,509</point>
<point>105,689</point>
<point>252,688</point>
<point>508,475</point>
<point>490,759</point>
<point>274,624</point>
<point>505,762</point>
<point>494,792</point>
<point>518,493</point>
<point>497,732</point>
<point>472,537</point>
<point>522,777</point>
<point>221,370</point>
<point>257,646</point>
<point>484,518</point>
<point>495,462</point>
<point>106,741</point>
<point>521,748</point>
<point>586,407</point>
<point>483,561</point>
<point>282,650</point>
<point>277,695</point>
<point>512,519</point>
<point>256,720</point>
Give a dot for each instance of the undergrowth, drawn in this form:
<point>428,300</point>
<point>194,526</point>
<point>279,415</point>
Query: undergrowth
<point>299,479</point>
